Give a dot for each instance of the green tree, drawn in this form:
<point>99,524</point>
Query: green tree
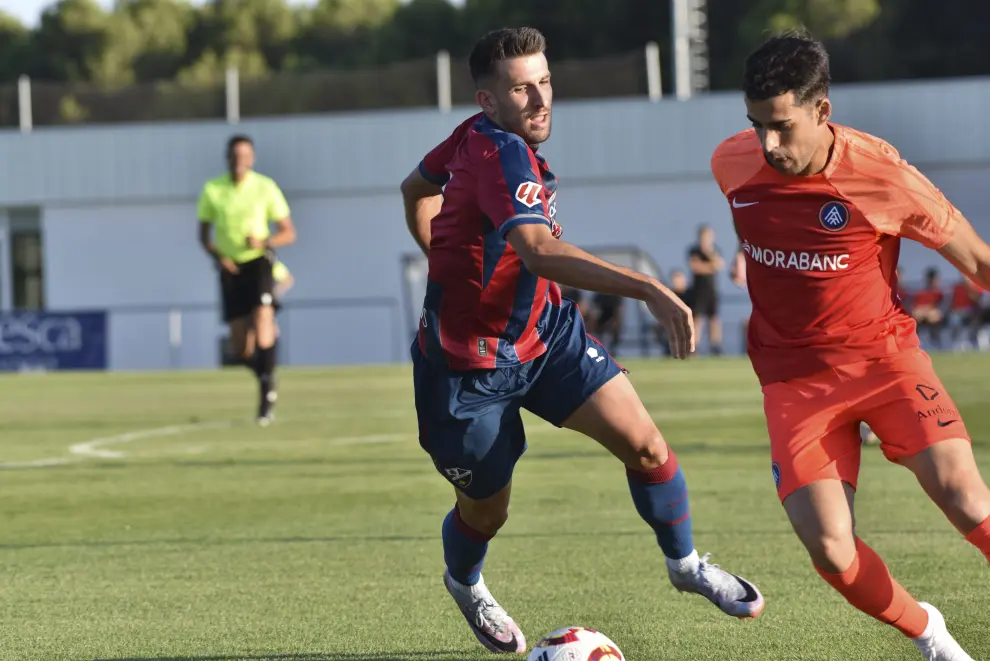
<point>754,22</point>
<point>70,41</point>
<point>254,36</point>
<point>343,33</point>
<point>420,29</point>
<point>160,30</point>
<point>14,44</point>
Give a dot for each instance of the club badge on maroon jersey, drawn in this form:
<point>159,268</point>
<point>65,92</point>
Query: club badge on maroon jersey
<point>834,216</point>
<point>528,192</point>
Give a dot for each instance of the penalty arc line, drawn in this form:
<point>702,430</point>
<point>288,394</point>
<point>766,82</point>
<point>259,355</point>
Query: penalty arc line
<point>97,447</point>
<point>94,448</point>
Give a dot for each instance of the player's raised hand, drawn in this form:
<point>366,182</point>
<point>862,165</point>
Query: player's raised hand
<point>676,317</point>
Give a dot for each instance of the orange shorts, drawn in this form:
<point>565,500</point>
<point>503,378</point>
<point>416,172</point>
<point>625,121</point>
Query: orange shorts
<point>813,421</point>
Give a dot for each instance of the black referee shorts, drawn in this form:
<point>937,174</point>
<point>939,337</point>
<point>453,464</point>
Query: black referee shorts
<point>248,289</point>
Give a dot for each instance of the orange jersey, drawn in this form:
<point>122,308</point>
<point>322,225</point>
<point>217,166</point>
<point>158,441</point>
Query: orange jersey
<point>821,251</point>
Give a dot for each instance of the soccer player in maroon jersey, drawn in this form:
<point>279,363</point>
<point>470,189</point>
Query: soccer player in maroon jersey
<point>820,210</point>
<point>496,336</point>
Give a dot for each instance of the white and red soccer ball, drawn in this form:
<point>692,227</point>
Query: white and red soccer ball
<point>575,644</point>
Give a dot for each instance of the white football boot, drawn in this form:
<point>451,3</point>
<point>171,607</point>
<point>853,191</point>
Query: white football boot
<point>733,594</point>
<point>936,644</point>
<point>489,622</point>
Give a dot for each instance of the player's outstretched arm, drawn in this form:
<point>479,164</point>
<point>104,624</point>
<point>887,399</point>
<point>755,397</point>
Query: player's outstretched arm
<point>422,200</point>
<point>968,252</point>
<point>568,265</point>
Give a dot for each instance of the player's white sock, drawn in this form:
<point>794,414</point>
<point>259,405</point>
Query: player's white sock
<point>929,629</point>
<point>478,589</point>
<point>686,565</point>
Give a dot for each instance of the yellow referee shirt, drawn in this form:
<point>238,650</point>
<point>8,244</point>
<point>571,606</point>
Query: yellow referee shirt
<point>239,210</point>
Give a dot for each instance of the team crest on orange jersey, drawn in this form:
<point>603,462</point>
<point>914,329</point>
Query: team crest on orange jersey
<point>834,216</point>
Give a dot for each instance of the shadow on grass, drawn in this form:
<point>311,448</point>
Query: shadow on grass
<point>314,656</point>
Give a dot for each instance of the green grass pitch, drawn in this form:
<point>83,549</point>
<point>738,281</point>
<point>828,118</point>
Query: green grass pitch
<point>143,516</point>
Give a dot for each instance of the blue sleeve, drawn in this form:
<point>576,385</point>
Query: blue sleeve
<point>438,178</point>
<point>511,191</point>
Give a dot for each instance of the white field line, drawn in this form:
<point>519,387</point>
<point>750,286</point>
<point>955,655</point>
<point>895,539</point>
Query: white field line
<point>98,448</point>
<point>37,463</point>
<point>94,447</point>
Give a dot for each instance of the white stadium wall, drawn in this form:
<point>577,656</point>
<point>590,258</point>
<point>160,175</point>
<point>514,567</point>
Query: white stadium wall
<point>118,206</point>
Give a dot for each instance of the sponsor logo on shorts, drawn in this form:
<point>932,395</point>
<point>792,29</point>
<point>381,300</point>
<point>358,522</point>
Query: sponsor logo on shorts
<point>943,415</point>
<point>482,346</point>
<point>797,261</point>
<point>775,471</point>
<point>459,476</point>
<point>940,412</point>
<point>834,216</point>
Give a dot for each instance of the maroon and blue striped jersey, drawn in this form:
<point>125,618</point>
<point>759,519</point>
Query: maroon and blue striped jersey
<point>483,308</point>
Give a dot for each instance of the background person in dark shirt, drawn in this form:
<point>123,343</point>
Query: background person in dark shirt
<point>705,262</point>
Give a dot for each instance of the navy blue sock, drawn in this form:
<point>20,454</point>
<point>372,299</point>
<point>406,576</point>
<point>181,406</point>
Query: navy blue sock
<point>661,498</point>
<point>464,549</point>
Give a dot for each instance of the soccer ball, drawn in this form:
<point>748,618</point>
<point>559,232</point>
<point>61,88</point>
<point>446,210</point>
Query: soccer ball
<point>575,644</point>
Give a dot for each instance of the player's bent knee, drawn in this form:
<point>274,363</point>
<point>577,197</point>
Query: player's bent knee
<point>650,451</point>
<point>832,549</point>
<point>485,517</point>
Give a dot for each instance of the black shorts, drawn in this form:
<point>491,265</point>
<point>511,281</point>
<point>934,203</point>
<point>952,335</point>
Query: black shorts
<point>248,289</point>
<point>704,302</point>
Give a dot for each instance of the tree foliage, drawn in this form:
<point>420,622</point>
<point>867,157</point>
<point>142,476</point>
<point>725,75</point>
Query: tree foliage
<point>143,41</point>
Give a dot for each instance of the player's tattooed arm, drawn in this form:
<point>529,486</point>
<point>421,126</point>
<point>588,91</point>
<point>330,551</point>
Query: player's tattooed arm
<point>422,200</point>
<point>568,265</point>
<point>968,252</point>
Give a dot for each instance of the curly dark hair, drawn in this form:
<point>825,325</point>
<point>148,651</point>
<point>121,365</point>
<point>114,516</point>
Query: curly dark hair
<point>503,44</point>
<point>789,62</point>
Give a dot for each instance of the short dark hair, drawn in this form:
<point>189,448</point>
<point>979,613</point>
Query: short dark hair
<point>503,44</point>
<point>789,62</point>
<point>236,140</point>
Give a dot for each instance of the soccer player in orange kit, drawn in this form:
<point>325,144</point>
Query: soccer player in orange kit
<point>820,210</point>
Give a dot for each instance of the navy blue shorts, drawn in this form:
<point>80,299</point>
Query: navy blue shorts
<point>470,423</point>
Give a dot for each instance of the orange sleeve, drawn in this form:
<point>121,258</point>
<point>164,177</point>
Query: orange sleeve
<point>894,196</point>
<point>736,160</point>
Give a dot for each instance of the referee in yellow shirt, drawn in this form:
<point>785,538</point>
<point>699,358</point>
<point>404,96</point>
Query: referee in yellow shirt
<point>234,211</point>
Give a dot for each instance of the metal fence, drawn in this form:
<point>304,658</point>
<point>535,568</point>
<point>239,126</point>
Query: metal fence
<point>439,82</point>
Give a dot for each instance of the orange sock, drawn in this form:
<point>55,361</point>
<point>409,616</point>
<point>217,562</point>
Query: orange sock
<point>868,586</point>
<point>980,538</point>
